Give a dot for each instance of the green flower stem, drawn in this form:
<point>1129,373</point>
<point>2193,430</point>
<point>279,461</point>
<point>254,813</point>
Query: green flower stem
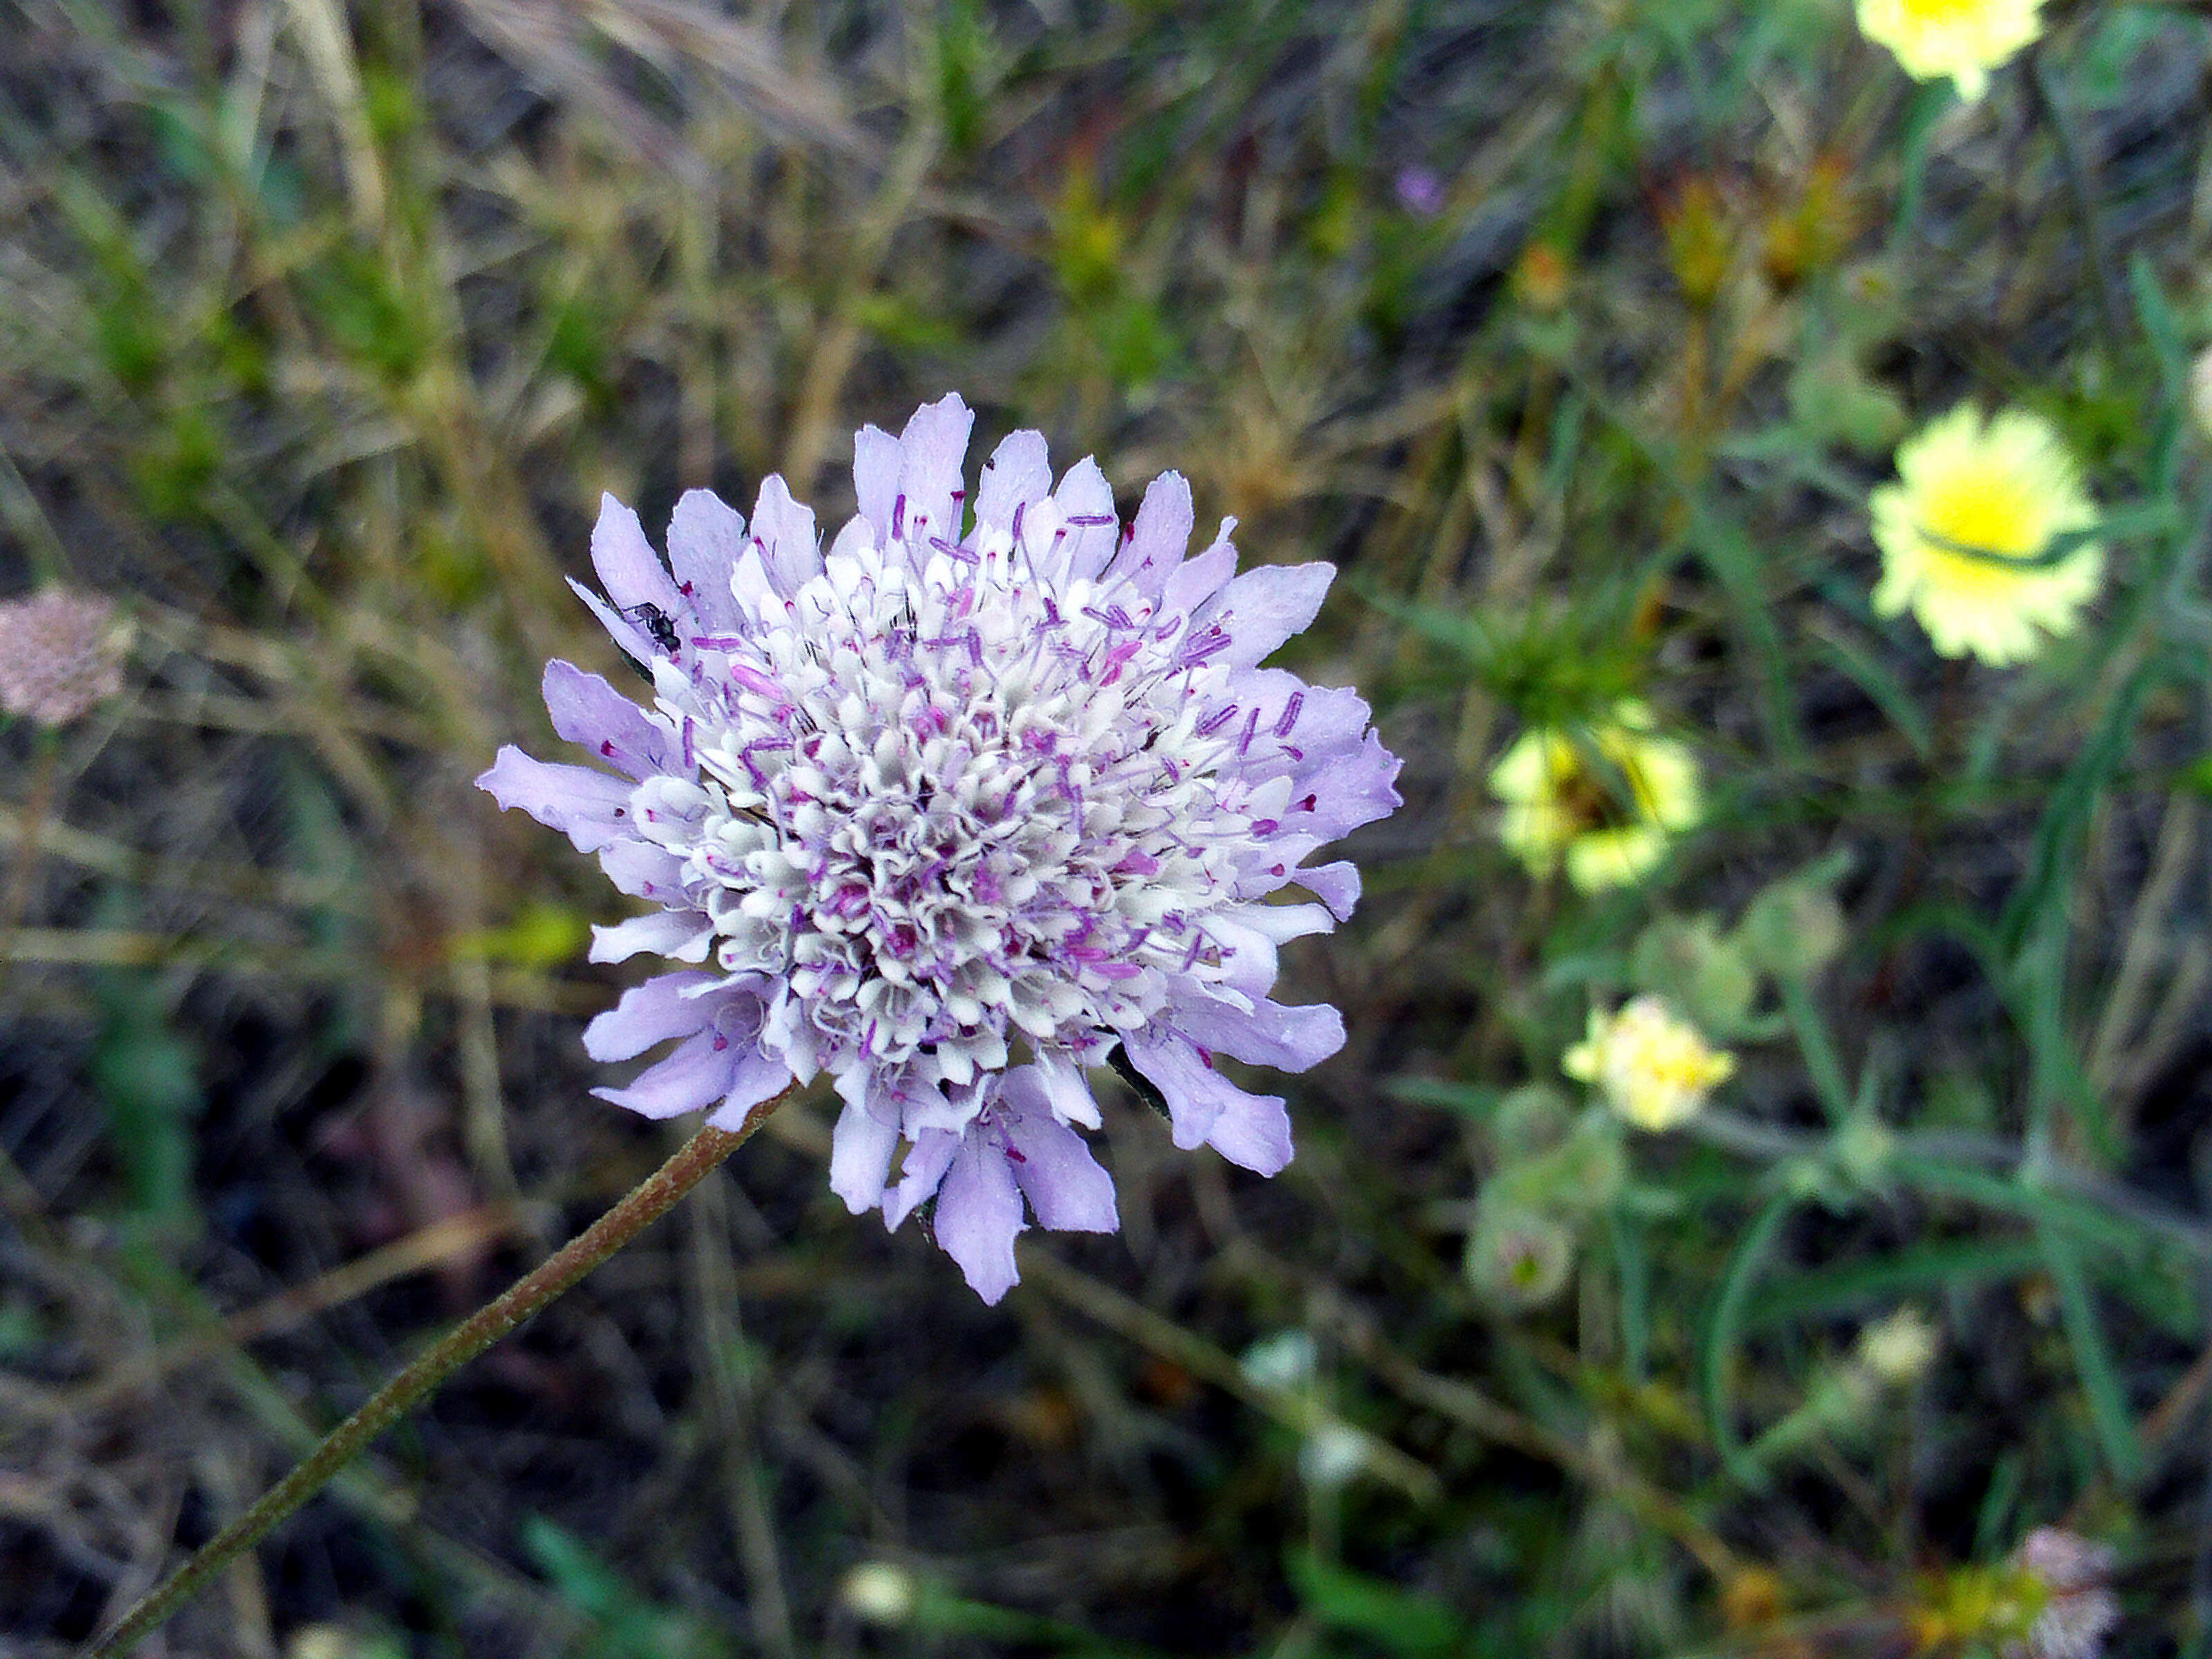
<point>651,1198</point>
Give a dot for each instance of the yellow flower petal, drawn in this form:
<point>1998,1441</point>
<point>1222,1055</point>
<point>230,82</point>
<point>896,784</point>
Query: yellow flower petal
<point>1962,38</point>
<point>1559,807</point>
<point>1654,1067</point>
<point>1971,497</point>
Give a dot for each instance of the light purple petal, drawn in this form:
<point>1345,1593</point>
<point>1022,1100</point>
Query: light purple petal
<point>635,643</point>
<point>1018,473</point>
<point>706,538</point>
<point>932,450</point>
<point>1205,1108</point>
<point>1289,1037</point>
<point>1197,580</point>
<point>1085,495</point>
<point>698,1073</point>
<point>591,808</point>
<point>787,531</point>
<point>1195,1093</point>
<point>861,1149</point>
<point>629,570</point>
<point>586,709</point>
<point>927,1161</point>
<point>1067,1086</point>
<point>1053,1166</point>
<point>1248,962</point>
<point>1160,538</point>
<point>979,1212</point>
<point>651,1012</point>
<point>1336,885</point>
<point>1253,1131</point>
<point>875,477</point>
<point>681,935</point>
<point>1357,789</point>
<point>758,1075</point>
<point>1264,607</point>
<point>644,870</point>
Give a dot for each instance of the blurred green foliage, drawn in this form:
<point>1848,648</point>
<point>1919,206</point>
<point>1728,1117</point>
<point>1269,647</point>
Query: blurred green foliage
<point>1578,335</point>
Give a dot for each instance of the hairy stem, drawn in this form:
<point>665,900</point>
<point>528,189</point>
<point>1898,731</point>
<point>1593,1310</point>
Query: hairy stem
<point>651,1198</point>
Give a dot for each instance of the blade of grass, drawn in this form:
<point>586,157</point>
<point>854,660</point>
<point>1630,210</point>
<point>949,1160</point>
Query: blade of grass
<point>2092,1358</point>
<point>1723,1327</point>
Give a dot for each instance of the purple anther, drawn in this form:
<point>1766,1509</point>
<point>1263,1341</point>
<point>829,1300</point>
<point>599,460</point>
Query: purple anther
<point>1214,722</point>
<point>760,685</point>
<point>1289,714</point>
<point>1196,650</point>
<point>1091,520</point>
<point>1251,731</point>
<point>899,517</point>
<point>1265,826</point>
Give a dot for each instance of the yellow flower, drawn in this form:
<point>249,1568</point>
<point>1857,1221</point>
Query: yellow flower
<point>1962,531</point>
<point>1962,38</point>
<point>1610,821</point>
<point>1654,1066</point>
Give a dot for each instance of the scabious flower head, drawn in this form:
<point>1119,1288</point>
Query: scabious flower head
<point>950,817</point>
<point>1962,38</point>
<point>1604,798</point>
<point>1964,532</point>
<point>61,654</point>
<point>2069,1610</point>
<point>1654,1066</point>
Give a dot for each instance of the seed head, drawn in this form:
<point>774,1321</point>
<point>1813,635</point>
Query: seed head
<point>61,655</point>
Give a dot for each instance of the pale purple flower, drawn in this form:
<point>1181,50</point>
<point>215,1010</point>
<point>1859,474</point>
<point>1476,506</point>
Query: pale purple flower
<point>61,654</point>
<point>2074,1611</point>
<point>1419,191</point>
<point>950,816</point>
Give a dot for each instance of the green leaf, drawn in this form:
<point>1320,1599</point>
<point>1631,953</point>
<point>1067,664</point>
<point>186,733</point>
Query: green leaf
<point>1399,1621</point>
<point>1856,1285</point>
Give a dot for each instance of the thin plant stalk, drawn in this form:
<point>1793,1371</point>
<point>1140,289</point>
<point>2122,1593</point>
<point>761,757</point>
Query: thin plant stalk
<point>651,1198</point>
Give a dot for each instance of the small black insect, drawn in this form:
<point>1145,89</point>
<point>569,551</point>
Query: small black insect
<point>655,622</point>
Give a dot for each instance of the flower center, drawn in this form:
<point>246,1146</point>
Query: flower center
<point>1983,513</point>
<point>952,810</point>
